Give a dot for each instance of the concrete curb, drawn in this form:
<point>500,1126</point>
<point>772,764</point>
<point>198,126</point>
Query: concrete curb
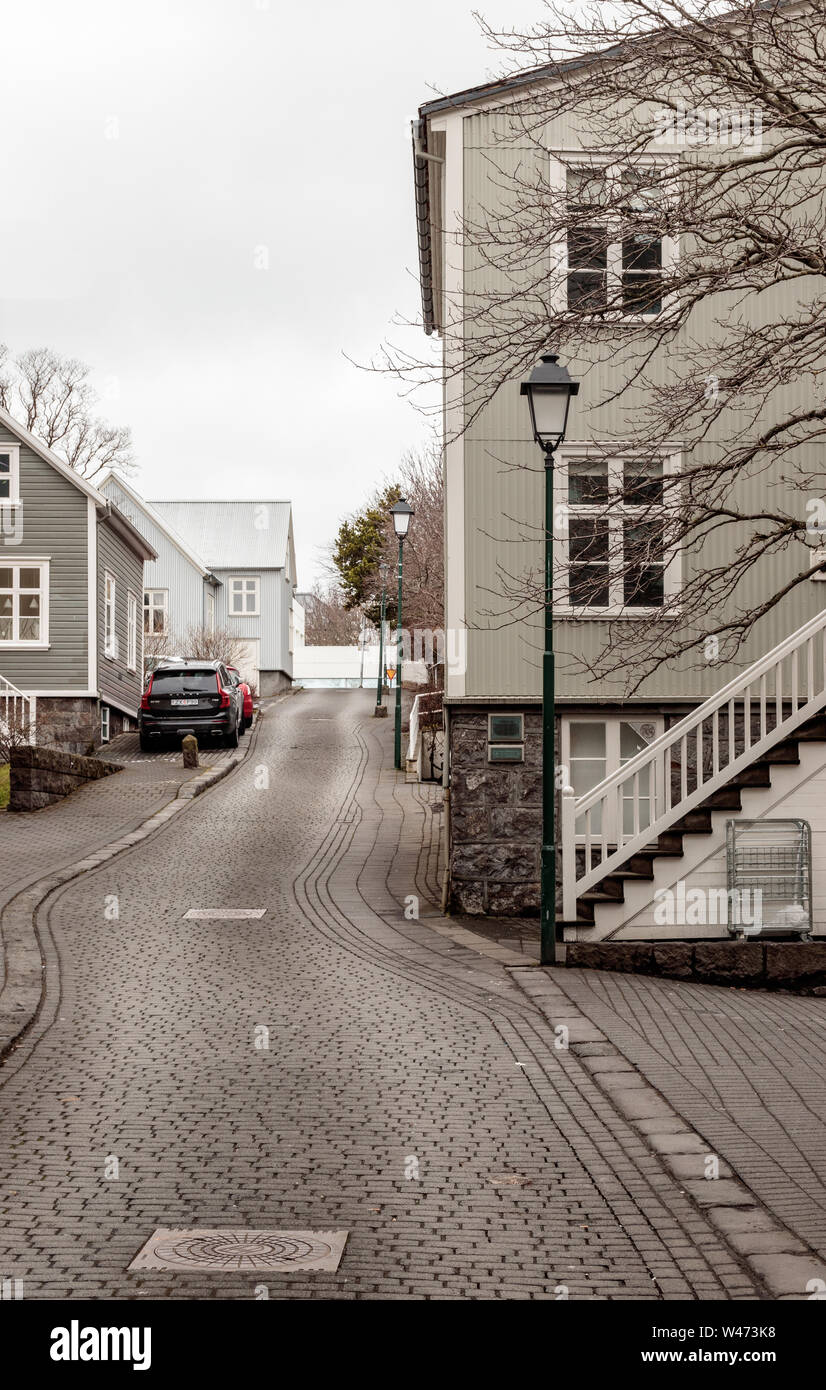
<point>22,991</point>
<point>776,1257</point>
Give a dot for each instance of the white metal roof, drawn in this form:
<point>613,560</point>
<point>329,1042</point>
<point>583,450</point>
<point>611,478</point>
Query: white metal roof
<point>246,535</point>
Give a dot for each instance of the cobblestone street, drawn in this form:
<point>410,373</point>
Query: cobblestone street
<point>411,1092</point>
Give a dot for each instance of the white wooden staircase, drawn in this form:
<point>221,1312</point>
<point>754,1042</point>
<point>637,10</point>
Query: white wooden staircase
<point>17,712</point>
<point>725,750</point>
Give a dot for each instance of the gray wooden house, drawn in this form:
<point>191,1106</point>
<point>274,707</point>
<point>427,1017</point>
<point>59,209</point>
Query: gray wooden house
<point>71,586</point>
<point>248,550</point>
<point>180,591</point>
<point>695,743</point>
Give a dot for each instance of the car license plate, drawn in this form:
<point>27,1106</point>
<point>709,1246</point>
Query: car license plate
<point>183,702</point>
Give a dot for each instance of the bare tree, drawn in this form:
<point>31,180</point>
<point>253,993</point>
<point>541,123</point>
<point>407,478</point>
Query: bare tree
<point>200,643</point>
<point>329,623</point>
<point>51,395</point>
<point>719,347</point>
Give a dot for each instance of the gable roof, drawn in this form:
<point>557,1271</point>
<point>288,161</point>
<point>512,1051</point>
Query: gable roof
<point>107,510</point>
<point>111,475</point>
<point>246,535</point>
<point>58,464</point>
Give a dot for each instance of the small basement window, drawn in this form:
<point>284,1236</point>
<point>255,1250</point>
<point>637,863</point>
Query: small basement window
<point>506,738</point>
<point>104,723</point>
<point>506,728</point>
<point>506,752</point>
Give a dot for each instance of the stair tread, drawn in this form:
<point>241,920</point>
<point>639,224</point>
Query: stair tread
<point>755,776</point>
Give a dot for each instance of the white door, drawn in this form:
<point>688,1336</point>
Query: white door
<point>249,661</point>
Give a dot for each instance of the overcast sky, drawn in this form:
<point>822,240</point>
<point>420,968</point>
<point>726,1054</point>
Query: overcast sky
<point>151,151</point>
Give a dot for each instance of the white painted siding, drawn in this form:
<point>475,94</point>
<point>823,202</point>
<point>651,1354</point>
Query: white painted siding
<point>796,792</point>
<point>172,570</point>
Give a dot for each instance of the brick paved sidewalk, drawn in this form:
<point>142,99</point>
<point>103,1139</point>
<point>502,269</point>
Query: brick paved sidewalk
<point>35,843</point>
<point>745,1068</point>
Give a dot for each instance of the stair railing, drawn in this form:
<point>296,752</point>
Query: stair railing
<point>16,713</point>
<point>689,762</point>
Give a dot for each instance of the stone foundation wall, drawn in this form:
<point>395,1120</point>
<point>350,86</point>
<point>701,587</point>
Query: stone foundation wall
<point>40,776</point>
<point>794,965</point>
<point>495,819</point>
<point>71,723</point>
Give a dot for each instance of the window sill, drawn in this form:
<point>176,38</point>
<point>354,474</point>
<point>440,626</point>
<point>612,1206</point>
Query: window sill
<point>614,614</point>
<point>26,646</point>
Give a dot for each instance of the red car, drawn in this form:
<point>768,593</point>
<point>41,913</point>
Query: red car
<point>247,694</point>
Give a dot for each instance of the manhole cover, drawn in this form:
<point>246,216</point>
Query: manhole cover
<point>238,1250</point>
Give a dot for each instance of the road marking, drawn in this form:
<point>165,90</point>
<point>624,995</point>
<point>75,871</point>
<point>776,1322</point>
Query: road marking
<point>217,914</point>
<point>227,1249</point>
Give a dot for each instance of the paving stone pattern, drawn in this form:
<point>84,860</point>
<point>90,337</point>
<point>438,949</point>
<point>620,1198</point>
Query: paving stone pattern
<point>747,1069</point>
<point>410,1092</point>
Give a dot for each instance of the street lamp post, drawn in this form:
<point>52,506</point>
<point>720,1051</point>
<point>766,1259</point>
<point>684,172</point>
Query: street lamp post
<point>549,390</point>
<point>401,513</point>
<point>380,709</point>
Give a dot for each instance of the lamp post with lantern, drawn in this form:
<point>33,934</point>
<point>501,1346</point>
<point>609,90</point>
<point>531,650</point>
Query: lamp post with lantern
<point>549,389</point>
<point>380,708</point>
<point>401,513</point>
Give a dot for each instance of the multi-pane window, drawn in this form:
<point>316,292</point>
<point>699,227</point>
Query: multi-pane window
<point>109,638</point>
<point>24,589</point>
<point>594,748</point>
<point>614,246</point>
<point>132,632</point>
<point>243,596</point>
<point>155,614</point>
<point>615,554</point>
<point>9,472</point>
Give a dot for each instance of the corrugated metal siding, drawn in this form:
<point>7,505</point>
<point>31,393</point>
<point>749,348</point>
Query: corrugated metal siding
<point>172,570</point>
<point>232,533</point>
<point>504,504</point>
<point>54,523</point>
<point>272,626</point>
<point>115,681</point>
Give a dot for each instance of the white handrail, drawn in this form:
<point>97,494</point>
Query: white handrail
<point>644,786</point>
<point>22,713</point>
<point>412,746</point>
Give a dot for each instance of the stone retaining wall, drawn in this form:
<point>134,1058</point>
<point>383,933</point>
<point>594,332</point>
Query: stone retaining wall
<point>794,965</point>
<point>40,776</point>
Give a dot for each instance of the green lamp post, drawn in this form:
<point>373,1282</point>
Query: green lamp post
<point>401,513</point>
<point>549,389</point>
<point>380,709</point>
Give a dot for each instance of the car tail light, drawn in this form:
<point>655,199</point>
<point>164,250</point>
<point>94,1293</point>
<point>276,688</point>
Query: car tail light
<point>146,693</point>
<point>225,699</point>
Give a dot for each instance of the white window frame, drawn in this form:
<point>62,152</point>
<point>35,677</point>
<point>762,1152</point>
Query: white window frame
<point>612,724</point>
<point>153,608</point>
<point>110,638</point>
<point>19,563</point>
<point>210,610</point>
<point>104,723</point>
<point>616,512</point>
<point>131,630</point>
<point>561,161</point>
<point>246,580</point>
<point>13,449</point>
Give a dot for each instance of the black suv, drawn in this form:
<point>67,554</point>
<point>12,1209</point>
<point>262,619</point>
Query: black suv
<point>191,697</point>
